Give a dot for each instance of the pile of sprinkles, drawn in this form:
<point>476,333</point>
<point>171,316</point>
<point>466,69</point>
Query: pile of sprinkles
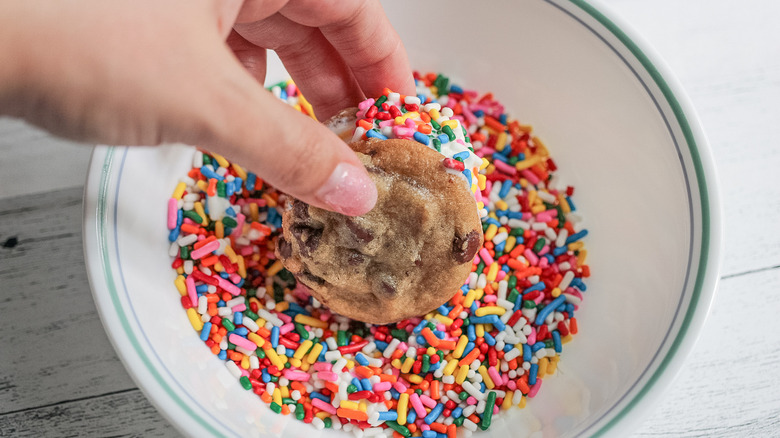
<point>452,370</point>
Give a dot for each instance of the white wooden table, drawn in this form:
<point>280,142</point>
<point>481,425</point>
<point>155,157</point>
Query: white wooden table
<point>59,376</point>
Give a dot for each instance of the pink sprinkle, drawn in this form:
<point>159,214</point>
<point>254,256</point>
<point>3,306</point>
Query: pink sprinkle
<point>427,401</point>
<point>527,174</point>
<point>403,346</point>
<point>402,132</point>
<point>242,342</point>
<point>322,366</point>
<point>425,426</point>
<point>364,105</point>
<point>543,263</point>
<point>247,250</point>
<point>384,123</point>
<point>173,207</point>
<point>532,336</point>
<point>485,256</point>
<point>535,388</point>
<point>235,278</point>
<point>296,375</point>
<point>244,373</point>
<point>239,229</point>
<point>189,221</point>
<point>190,283</point>
<point>507,169</point>
<point>545,249</point>
<point>286,328</point>
<point>238,308</point>
<point>400,387</point>
<point>284,317</point>
<point>547,215</point>
<point>228,287</point>
<point>205,249</point>
<point>531,257</point>
<point>381,386</point>
<point>495,409</point>
<point>500,276</point>
<point>414,399</point>
<point>410,124</point>
<point>327,376</point>
<point>320,404</point>
<point>489,298</point>
<point>471,400</point>
<point>495,376</point>
<point>511,385</point>
<point>472,119</point>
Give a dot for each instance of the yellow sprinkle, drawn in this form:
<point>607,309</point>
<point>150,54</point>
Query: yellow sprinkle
<point>556,292</point>
<point>501,141</point>
<point>277,396</point>
<point>536,209</point>
<point>552,366</point>
<point>219,229</point>
<point>396,363</point>
<point>582,256</point>
<point>565,207</point>
<point>414,378</point>
<point>362,405</point>
<point>314,353</point>
<point>451,123</point>
<point>218,267</point>
<point>181,286</point>
<point>485,163</point>
<point>575,246</point>
<point>202,185</point>
<point>257,339</point>
<point>348,404</point>
<point>407,365</point>
<point>501,205</point>
<point>566,339</point>
<point>178,192</point>
<point>261,322</point>
<point>306,105</point>
<point>542,370</point>
<point>450,367</point>
<point>434,113</point>
<point>245,362</point>
<point>285,391</point>
<point>541,149</point>
<point>528,162</point>
<point>241,266</point>
<point>305,366</point>
<point>490,233</point>
<point>231,255</point>
<point>430,351</point>
<point>463,372</point>
<point>507,402</point>
<point>510,243</point>
<point>240,172</point>
<point>310,321</point>
<point>270,353</point>
<point>492,272</point>
<point>303,349</point>
<point>403,403</point>
<point>294,362</point>
<point>275,268</point>
<point>480,330</point>
<point>220,160</point>
<point>460,346</point>
<point>253,212</point>
<point>469,299</point>
<point>281,306</point>
<point>195,320</point>
<point>198,207</point>
<point>482,179</point>
<point>350,364</point>
<point>486,377</point>
<point>480,205</point>
<point>180,270</point>
<point>445,319</point>
<point>490,310</point>
<point>532,199</point>
<point>521,405</point>
<point>322,415</point>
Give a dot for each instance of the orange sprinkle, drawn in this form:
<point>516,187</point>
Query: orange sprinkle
<point>388,378</point>
<point>455,311</point>
<point>435,390</point>
<point>212,188</point>
<point>209,261</point>
<point>285,410</point>
<point>447,345</point>
<point>351,414</point>
<point>203,242</point>
<point>266,397</point>
<point>191,229</point>
<point>452,431</point>
<point>573,325</point>
<point>438,427</point>
<point>473,354</point>
<point>430,337</point>
<point>363,372</point>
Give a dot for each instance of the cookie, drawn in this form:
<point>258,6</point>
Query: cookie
<point>405,257</point>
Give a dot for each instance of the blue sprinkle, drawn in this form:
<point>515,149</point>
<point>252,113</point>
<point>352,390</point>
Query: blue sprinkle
<point>508,348</point>
<point>434,414</point>
<point>221,303</point>
<point>462,155</point>
<point>393,393</point>
<point>421,340</point>
<point>267,377</point>
<point>179,218</point>
<point>546,310</point>
<point>422,98</point>
<point>205,332</point>
<point>500,248</point>
<point>388,416</point>
<point>439,334</point>
<point>469,346</point>
<point>471,332</point>
<point>489,339</point>
<point>576,236</point>
<point>505,268</point>
<point>230,212</point>
<point>500,157</point>
<point>411,416</point>
<point>488,319</point>
<point>241,331</point>
<point>321,357</point>
<point>527,352</point>
<point>514,215</point>
<point>456,89</point>
<point>576,282</point>
<point>274,336</point>
<point>173,235</point>
<point>240,283</point>
<point>571,204</point>
<point>457,412</point>
<point>373,133</point>
<point>202,288</point>
<point>419,327</point>
<point>289,352</point>
<point>473,307</point>
<point>422,138</point>
<point>492,221</point>
<point>224,275</point>
<point>283,94</point>
<point>464,289</point>
<point>482,387</point>
<point>381,345</point>
<point>361,359</point>
<point>239,182</point>
<point>315,394</point>
<point>238,318</point>
<point>208,173</point>
<point>537,346</point>
<point>467,174</point>
<point>229,189</point>
<point>443,138</point>
<point>355,381</point>
<point>560,250</point>
<point>532,374</point>
<point>502,119</point>
<point>435,366</point>
<point>504,190</point>
<point>429,433</point>
<point>222,355</point>
<point>538,286</point>
<point>557,341</point>
<point>479,113</point>
<point>366,384</point>
<point>443,309</point>
<point>251,179</point>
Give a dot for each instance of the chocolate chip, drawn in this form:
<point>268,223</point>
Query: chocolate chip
<point>355,258</point>
<point>301,211</point>
<point>309,278</point>
<point>308,238</point>
<point>360,233</point>
<point>388,289</point>
<point>464,248</point>
<point>285,248</point>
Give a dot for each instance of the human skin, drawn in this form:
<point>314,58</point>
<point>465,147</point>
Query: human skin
<point>146,72</point>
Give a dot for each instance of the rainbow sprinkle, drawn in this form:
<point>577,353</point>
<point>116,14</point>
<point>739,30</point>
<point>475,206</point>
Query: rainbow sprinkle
<point>486,349</point>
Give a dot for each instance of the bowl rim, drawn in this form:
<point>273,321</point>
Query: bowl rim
<point>104,289</point>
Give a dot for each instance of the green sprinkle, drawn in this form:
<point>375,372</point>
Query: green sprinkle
<point>458,422</point>
<point>228,324</point>
<point>328,422</point>
<point>286,276</point>
<point>288,401</point>
<point>275,378</point>
<point>299,412</point>
<point>278,293</point>
<point>382,99</point>
<point>480,266</point>
<point>229,222</point>
<point>351,388</point>
<point>512,160</point>
<point>513,295</point>
<point>487,416</point>
<point>512,282</point>
<point>221,192</point>
<point>435,125</point>
<point>426,363</point>
<point>341,338</point>
<point>251,314</point>
<point>245,382</point>
<point>206,159</point>
<point>463,395</point>
<point>418,391</point>
<point>529,304</point>
<point>276,408</point>
<point>436,144</point>
<point>301,330</point>
<point>516,232</point>
<point>403,430</point>
<point>252,292</point>
<point>399,333</point>
<point>190,214</point>
<point>260,353</point>
<point>539,245</point>
<point>451,135</point>
<point>231,346</point>
<point>185,253</point>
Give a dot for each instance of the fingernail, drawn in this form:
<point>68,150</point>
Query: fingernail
<point>348,190</point>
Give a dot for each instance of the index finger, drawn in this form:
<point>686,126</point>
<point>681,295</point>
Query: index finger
<point>361,33</point>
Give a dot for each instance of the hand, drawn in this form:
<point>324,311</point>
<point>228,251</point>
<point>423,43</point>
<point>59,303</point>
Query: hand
<point>150,72</point>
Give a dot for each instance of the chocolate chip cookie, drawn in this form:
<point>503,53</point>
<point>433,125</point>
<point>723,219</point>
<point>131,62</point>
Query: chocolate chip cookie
<point>404,258</point>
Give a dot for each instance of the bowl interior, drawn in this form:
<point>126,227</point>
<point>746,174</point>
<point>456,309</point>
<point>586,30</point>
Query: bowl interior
<point>609,130</point>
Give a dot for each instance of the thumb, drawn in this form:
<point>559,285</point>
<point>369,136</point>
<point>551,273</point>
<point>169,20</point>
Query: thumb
<point>291,151</point>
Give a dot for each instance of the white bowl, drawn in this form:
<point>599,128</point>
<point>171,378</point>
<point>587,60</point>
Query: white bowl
<point>621,132</point>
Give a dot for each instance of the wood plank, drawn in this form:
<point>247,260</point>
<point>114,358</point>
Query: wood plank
<point>728,386</point>
<point>34,161</point>
<point>122,414</point>
<point>53,345</point>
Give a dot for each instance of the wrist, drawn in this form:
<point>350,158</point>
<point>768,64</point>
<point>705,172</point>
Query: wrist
<point>14,57</point>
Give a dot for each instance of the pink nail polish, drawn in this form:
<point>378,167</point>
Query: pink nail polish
<point>348,190</point>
